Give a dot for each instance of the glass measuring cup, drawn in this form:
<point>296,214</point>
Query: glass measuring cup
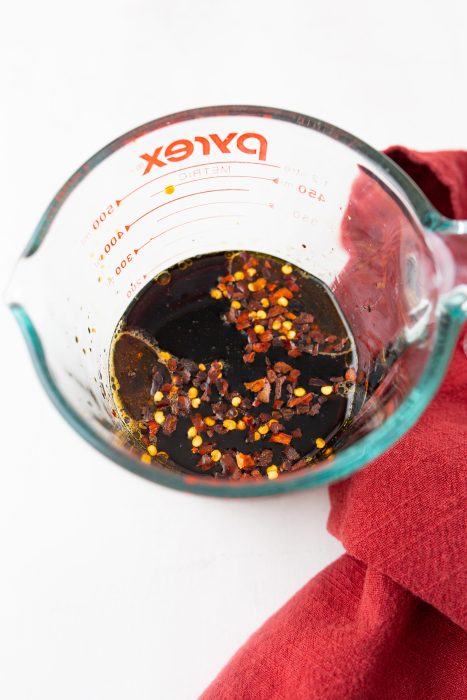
<point>260,179</point>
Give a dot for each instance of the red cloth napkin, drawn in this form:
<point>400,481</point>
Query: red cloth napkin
<point>387,620</point>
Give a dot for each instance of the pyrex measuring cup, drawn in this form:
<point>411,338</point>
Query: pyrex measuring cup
<point>260,179</point>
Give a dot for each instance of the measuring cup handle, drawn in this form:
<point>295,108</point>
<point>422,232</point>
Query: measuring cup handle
<point>449,247</point>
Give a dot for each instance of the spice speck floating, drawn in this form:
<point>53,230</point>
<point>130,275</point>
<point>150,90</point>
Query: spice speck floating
<point>240,367</point>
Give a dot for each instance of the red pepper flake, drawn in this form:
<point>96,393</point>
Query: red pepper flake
<point>350,375</point>
<point>294,375</point>
<point>300,399</point>
<point>282,367</point>
<point>278,387</point>
<point>244,461</point>
<point>255,385</point>
<point>205,463</point>
<point>282,438</point>
<point>275,311</point>
<point>222,386</point>
<point>271,375</point>
<point>261,347</point>
<point>206,447</point>
<point>257,285</point>
<point>282,292</point>
<point>153,428</point>
<point>169,425</point>
<point>305,318</point>
<point>264,458</point>
<point>228,463</point>
<point>198,422</point>
<point>183,404</point>
<point>249,357</point>
<point>265,392</point>
<point>290,453</point>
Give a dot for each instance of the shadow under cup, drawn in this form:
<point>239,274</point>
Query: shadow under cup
<point>236,178</point>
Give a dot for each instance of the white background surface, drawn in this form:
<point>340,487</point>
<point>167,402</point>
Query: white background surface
<point>112,587</point>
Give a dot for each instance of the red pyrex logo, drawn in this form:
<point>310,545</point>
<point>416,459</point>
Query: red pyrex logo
<point>181,149</point>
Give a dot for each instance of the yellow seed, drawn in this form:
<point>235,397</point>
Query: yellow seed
<point>202,367</point>
<point>236,401</point>
<point>287,325</point>
<point>299,391</point>
<point>257,435</point>
<point>196,403</point>
<point>276,325</point>
<point>162,454</point>
<point>236,304</point>
<point>159,417</point>
<point>326,390</point>
<point>191,432</point>
<point>273,420</point>
<point>220,363</point>
<point>197,441</point>
<point>272,472</point>
<point>263,429</point>
<point>146,458</point>
<point>291,334</point>
<point>192,392</point>
<point>158,396</point>
<point>286,269</point>
<point>164,355</point>
<point>241,425</point>
<point>229,424</point>
<point>265,302</point>
<point>251,272</point>
<point>216,455</point>
<point>216,293</point>
<point>210,421</point>
<point>282,301</point>
<point>152,450</point>
<point>261,314</point>
<point>252,314</point>
<point>239,275</point>
<point>251,286</point>
<point>320,443</point>
<point>329,451</point>
<point>259,329</point>
<point>282,337</point>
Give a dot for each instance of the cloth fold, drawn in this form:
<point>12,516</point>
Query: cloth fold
<point>387,620</point>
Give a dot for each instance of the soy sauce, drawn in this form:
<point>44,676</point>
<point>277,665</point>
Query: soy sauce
<point>200,332</point>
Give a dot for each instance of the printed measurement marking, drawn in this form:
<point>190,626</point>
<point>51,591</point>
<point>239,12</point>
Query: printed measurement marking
<point>192,221</point>
<point>176,199</point>
<point>207,204</point>
<point>218,177</point>
<point>111,244</point>
<point>102,217</point>
<point>126,261</point>
<point>189,167</point>
<point>304,217</point>
<point>311,193</point>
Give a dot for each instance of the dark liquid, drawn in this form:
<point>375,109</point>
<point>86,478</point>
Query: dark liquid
<point>181,317</point>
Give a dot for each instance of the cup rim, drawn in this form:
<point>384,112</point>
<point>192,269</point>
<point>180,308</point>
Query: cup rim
<point>346,461</point>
